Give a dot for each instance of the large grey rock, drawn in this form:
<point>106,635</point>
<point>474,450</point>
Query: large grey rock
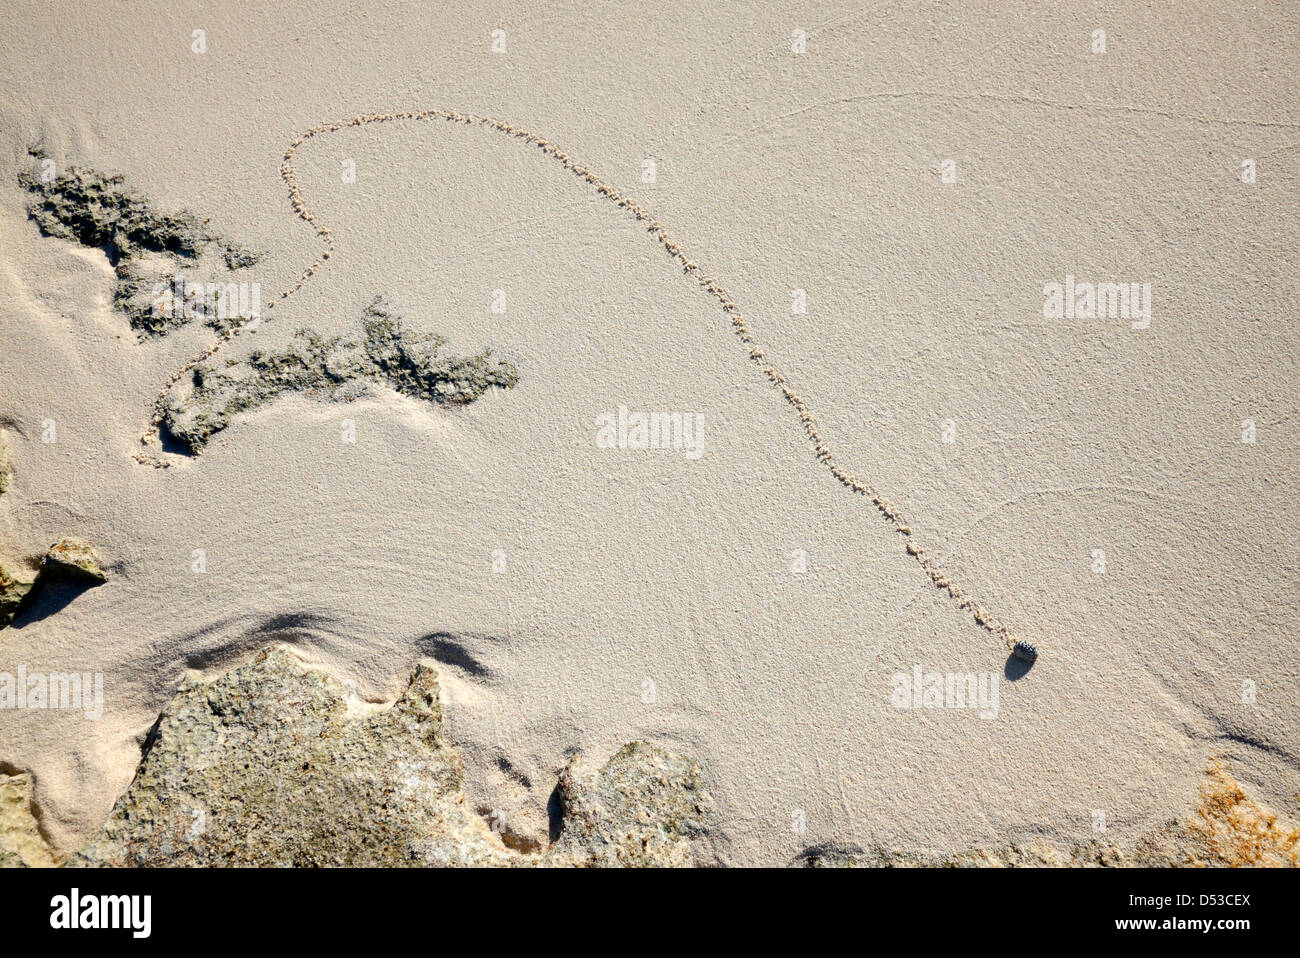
<point>69,559</point>
<point>274,763</point>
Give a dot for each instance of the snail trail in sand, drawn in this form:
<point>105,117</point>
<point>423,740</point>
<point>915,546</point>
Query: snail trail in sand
<point>164,407</point>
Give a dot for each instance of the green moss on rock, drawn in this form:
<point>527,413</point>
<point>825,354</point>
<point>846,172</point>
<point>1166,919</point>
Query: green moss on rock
<point>99,209</point>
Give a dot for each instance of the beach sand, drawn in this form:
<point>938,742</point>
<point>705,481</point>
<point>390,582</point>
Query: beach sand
<point>744,607</point>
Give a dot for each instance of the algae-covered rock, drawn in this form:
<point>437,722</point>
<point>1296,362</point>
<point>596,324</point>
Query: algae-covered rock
<point>15,586</point>
<point>21,842</point>
<point>145,245</point>
<point>139,281</point>
<point>274,763</point>
<point>73,559</point>
<point>157,298</point>
<point>389,354</point>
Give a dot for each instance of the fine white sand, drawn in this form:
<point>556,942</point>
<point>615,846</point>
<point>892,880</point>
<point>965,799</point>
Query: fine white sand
<point>646,594</point>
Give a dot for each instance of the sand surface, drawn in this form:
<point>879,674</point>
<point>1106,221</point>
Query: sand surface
<point>645,593</point>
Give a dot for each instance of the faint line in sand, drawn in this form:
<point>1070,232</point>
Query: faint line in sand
<point>739,326</point>
<point>1014,99</point>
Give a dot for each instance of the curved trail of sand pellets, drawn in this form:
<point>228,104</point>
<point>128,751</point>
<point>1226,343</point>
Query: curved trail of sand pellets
<point>739,326</point>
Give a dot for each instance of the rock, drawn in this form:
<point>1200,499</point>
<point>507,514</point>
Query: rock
<point>643,807</point>
<point>274,763</point>
<point>15,586</point>
<point>21,843</point>
<point>414,365</point>
<point>100,209</point>
<point>73,559</point>
<point>1228,829</point>
<point>145,245</point>
<point>139,280</point>
<point>68,558</point>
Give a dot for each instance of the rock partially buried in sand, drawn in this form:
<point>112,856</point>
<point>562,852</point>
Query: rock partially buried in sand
<point>642,807</point>
<point>388,353</point>
<point>15,586</point>
<point>69,559</point>
<point>73,559</point>
<point>275,764</point>
<point>1227,829</point>
<point>21,843</point>
<point>143,243</point>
